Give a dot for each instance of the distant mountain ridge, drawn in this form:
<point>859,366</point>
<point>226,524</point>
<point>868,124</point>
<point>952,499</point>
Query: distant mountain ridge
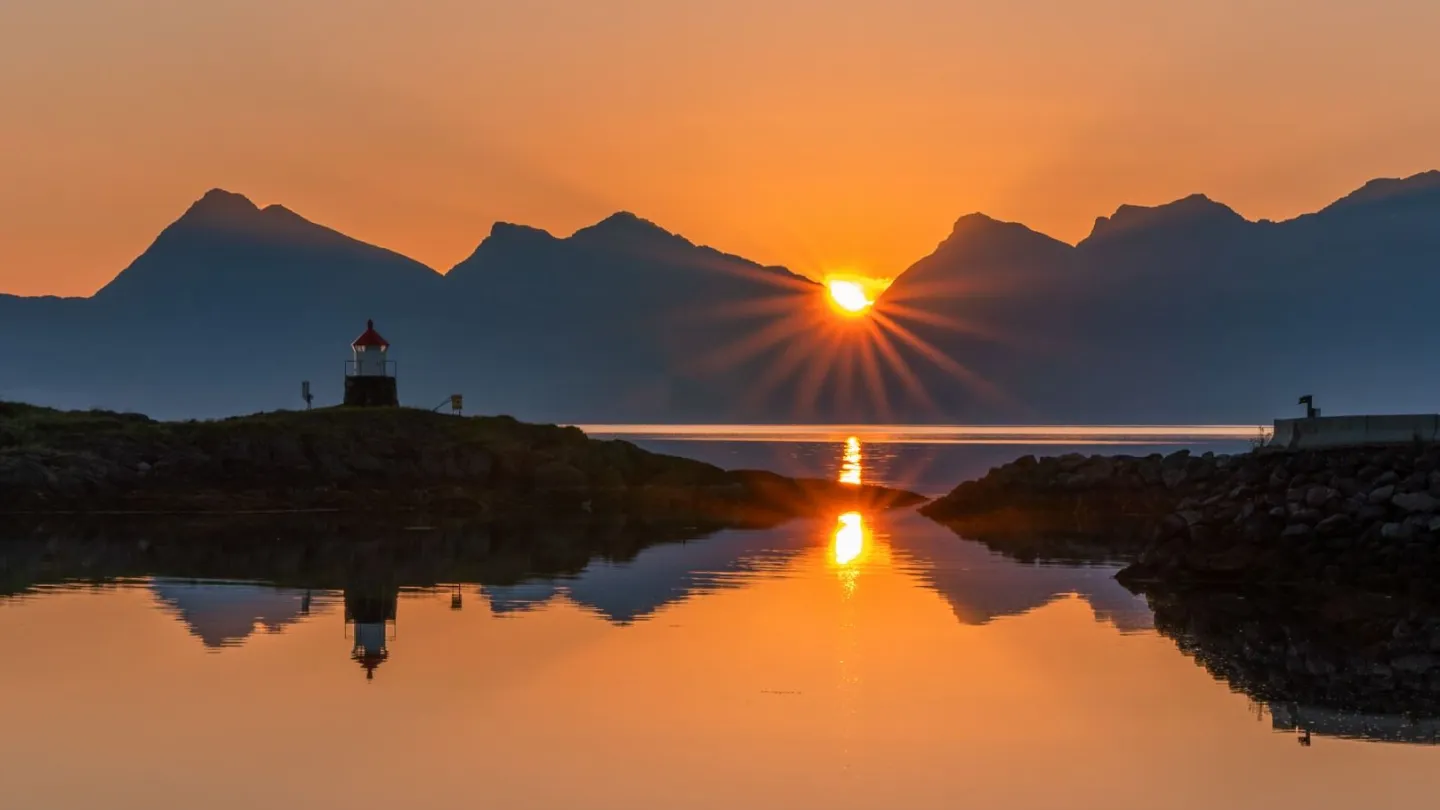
<point>1179,312</point>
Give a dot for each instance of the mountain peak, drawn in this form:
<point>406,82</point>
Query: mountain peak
<point>220,206</point>
<point>982,231</point>
<point>508,230</point>
<point>625,227</point>
<point>1196,208</point>
<point>974,221</point>
<point>225,248</point>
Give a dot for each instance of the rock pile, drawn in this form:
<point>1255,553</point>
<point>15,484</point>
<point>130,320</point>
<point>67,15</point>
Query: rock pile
<point>1114,499</point>
<point>1361,516</point>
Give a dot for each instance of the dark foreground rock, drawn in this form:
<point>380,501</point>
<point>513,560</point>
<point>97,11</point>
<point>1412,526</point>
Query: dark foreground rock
<point>1361,517</point>
<point>379,460</point>
<point>1100,506</point>
<point>1335,662</point>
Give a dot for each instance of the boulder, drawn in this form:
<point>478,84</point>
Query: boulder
<point>1415,663</point>
<point>1396,531</point>
<point>1371,513</point>
<point>1421,502</point>
<point>1382,495</point>
<point>1173,477</point>
<point>1335,525</point>
<point>1297,531</point>
<point>1192,517</point>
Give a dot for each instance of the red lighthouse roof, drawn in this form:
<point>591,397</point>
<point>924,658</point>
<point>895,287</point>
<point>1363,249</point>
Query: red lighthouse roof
<point>371,338</point>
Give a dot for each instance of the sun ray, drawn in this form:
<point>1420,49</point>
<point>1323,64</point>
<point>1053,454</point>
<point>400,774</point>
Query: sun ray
<point>945,362</point>
<point>907,375</point>
<point>968,287</point>
<point>774,276</point>
<point>755,344</point>
<point>790,358</point>
<point>749,308</point>
<point>845,381</point>
<point>951,322</point>
<point>874,376</point>
<point>817,372</point>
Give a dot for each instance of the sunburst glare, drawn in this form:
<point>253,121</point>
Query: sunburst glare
<point>848,347</point>
<point>848,296</point>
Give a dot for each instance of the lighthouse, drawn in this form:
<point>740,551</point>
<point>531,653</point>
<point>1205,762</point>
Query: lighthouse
<point>370,375</point>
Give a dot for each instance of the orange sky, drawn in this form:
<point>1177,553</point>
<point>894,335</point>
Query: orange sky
<point>820,134</point>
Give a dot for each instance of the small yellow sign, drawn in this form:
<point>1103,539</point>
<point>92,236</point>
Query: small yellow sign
<point>457,402</point>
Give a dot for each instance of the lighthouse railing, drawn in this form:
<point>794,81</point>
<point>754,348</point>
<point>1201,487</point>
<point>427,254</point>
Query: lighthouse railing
<point>352,368</point>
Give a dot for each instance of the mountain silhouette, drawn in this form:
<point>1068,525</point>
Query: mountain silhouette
<point>1181,312</point>
<point>225,252</point>
<point>1188,312</point>
<point>621,315</point>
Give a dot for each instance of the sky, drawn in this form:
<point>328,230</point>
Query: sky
<point>825,135</point>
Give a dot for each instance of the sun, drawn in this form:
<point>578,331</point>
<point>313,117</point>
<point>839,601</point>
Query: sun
<point>848,296</point>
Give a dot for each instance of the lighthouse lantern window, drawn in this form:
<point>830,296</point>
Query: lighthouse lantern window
<point>370,376</point>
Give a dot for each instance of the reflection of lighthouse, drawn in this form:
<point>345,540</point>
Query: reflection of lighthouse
<point>370,614</point>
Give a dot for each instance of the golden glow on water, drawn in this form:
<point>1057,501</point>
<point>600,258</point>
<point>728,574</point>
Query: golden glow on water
<point>852,467</point>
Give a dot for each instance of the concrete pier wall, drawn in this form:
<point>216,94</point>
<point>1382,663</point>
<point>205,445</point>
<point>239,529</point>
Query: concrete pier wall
<point>1353,431</point>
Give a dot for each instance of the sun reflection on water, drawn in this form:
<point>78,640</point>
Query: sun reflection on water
<point>849,538</point>
<point>851,463</point>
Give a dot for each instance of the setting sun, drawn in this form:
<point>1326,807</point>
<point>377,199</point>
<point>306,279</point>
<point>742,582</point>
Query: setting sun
<point>848,296</point>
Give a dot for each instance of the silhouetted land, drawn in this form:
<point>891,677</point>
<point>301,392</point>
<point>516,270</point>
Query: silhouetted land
<point>1365,517</point>
<point>1179,313</point>
<point>380,460</point>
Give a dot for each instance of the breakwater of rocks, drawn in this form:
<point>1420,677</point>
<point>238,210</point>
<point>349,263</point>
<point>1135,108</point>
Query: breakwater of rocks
<point>1356,517</point>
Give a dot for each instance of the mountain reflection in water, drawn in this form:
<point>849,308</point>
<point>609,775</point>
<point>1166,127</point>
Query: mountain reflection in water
<point>196,578</point>
<point>628,665</point>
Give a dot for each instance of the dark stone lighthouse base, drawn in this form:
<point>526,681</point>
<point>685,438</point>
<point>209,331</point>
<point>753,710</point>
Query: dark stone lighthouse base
<point>371,392</point>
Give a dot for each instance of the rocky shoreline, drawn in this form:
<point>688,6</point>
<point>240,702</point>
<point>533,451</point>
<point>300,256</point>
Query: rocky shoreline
<point>380,460</point>
<point>1365,517</point>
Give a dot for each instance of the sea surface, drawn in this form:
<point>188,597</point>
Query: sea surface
<point>928,459</point>
<point>851,661</point>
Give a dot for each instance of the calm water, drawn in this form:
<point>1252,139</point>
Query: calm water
<point>864,661</point>
<point>930,460</point>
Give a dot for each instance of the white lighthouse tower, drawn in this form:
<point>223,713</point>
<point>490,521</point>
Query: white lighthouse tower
<point>370,376</point>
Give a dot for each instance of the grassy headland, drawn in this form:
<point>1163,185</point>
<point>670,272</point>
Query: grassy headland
<point>379,459</point>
